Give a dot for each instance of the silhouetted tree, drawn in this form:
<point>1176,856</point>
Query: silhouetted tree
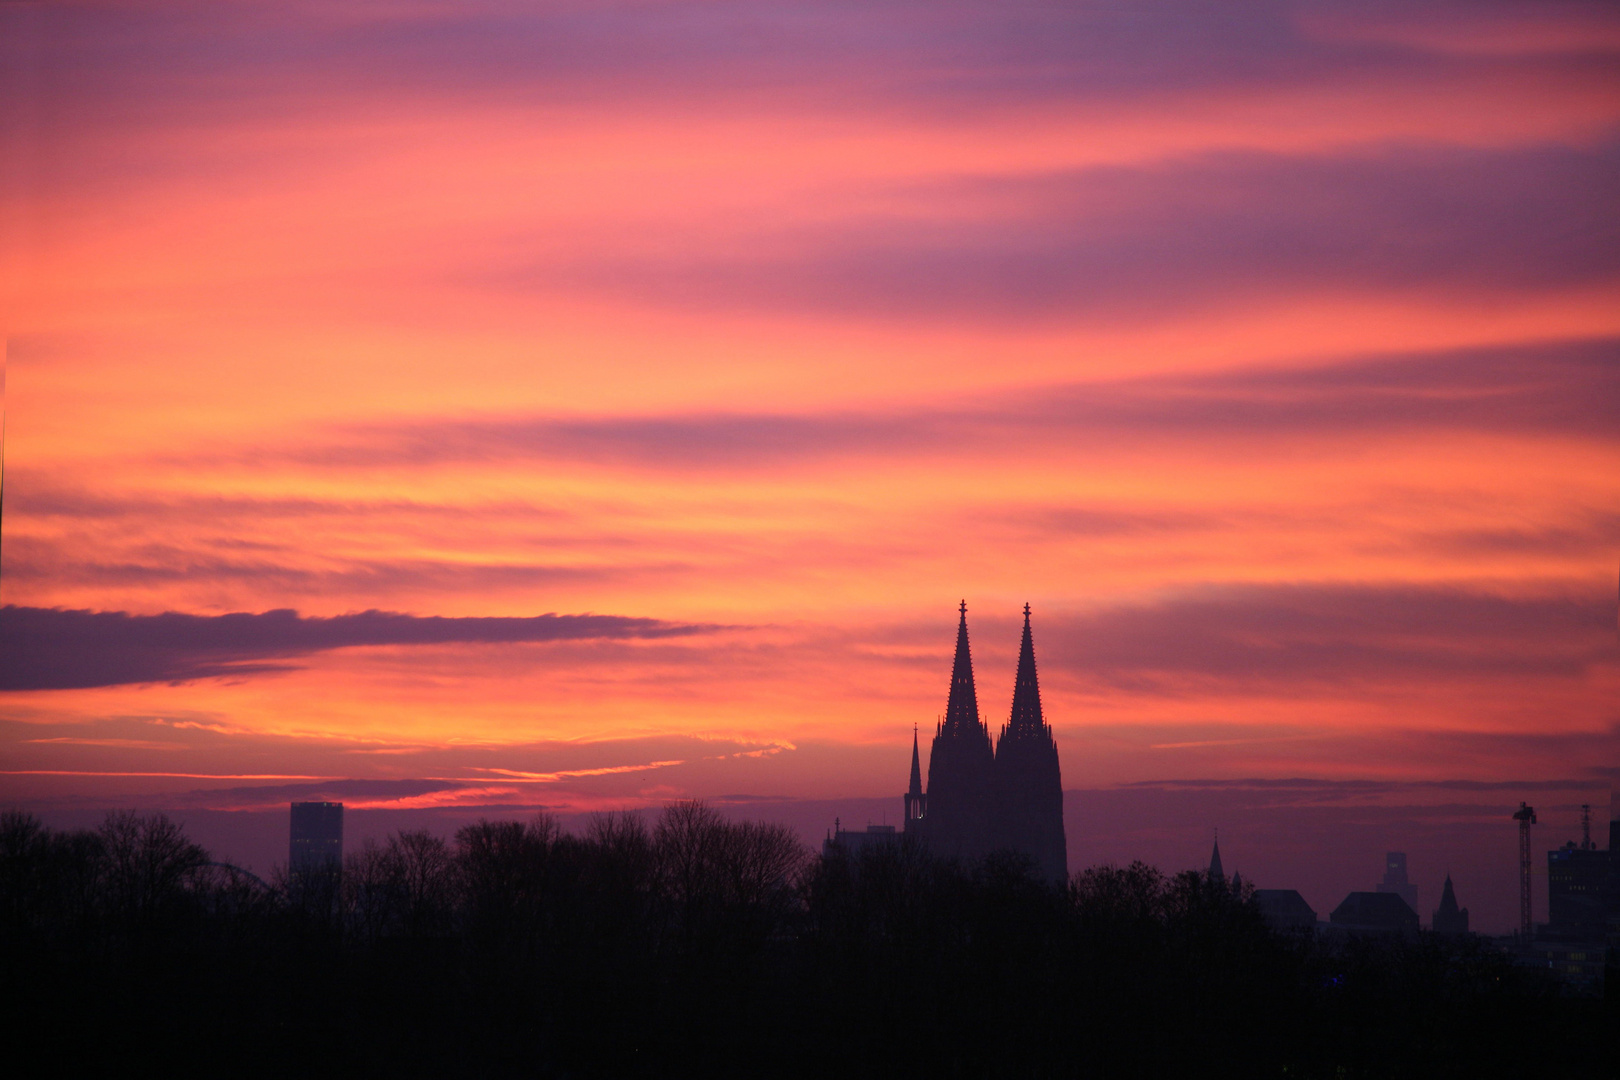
<point>147,865</point>
<point>706,946</point>
<point>25,885</point>
<point>315,895</point>
<point>719,874</point>
<point>508,884</point>
<point>369,893</point>
<point>425,880</point>
<point>403,887</point>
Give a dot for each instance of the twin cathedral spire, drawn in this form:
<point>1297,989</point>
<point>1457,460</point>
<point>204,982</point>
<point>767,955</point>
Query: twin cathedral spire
<point>982,798</point>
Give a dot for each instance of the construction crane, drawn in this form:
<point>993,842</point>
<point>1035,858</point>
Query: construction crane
<point>1586,828</point>
<point>1526,817</point>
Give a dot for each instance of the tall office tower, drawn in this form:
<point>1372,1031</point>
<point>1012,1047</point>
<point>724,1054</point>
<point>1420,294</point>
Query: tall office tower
<point>960,821</point>
<point>1448,917</point>
<point>1577,893</point>
<point>1395,879</point>
<point>1028,786</point>
<point>316,837</point>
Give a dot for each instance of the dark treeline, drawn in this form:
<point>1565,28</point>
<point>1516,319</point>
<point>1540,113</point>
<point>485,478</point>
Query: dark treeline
<point>695,945</point>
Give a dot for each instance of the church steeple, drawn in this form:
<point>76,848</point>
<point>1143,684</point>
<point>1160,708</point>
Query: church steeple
<point>962,708</point>
<point>959,817</point>
<point>1448,898</point>
<point>1026,706</point>
<point>1028,787</point>
<point>1215,871</point>
<point>916,801</point>
<point>916,764</point>
<point>1448,917</point>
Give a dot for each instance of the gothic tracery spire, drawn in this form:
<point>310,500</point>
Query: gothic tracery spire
<point>1026,715</point>
<point>962,709</point>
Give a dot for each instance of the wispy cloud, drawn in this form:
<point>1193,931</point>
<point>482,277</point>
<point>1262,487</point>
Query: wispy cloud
<point>54,649</point>
<point>917,54</point>
<point>1118,244</point>
<point>1291,636</point>
<point>1565,389</point>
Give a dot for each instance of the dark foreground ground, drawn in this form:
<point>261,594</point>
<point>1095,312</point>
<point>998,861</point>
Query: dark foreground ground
<point>694,946</point>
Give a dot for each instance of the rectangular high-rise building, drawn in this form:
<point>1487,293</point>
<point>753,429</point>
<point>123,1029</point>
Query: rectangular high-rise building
<point>316,837</point>
<point>1577,887</point>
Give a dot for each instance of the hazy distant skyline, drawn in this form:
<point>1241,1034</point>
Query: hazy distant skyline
<point>1270,351</point>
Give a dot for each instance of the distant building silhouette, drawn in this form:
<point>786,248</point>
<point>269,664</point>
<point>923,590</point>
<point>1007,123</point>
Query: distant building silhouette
<point>1217,872</point>
<point>1285,909</point>
<point>982,798</point>
<point>1028,786</point>
<point>852,843</point>
<point>1395,879</point>
<point>1375,912</point>
<point>315,840</point>
<point>1578,964</point>
<point>1577,884</point>
<point>1583,888</point>
<point>1448,917</point>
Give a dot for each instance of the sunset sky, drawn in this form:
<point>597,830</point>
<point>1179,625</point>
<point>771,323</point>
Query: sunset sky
<point>1270,351</point>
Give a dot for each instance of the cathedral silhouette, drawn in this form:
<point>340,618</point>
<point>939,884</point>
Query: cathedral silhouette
<point>982,799</point>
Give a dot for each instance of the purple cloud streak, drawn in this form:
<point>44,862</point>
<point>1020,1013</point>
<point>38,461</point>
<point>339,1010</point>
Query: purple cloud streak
<point>54,649</point>
<point>1564,389</point>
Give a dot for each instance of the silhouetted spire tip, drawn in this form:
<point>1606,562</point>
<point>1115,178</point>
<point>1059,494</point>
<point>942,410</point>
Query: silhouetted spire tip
<point>962,709</point>
<point>1026,718</point>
